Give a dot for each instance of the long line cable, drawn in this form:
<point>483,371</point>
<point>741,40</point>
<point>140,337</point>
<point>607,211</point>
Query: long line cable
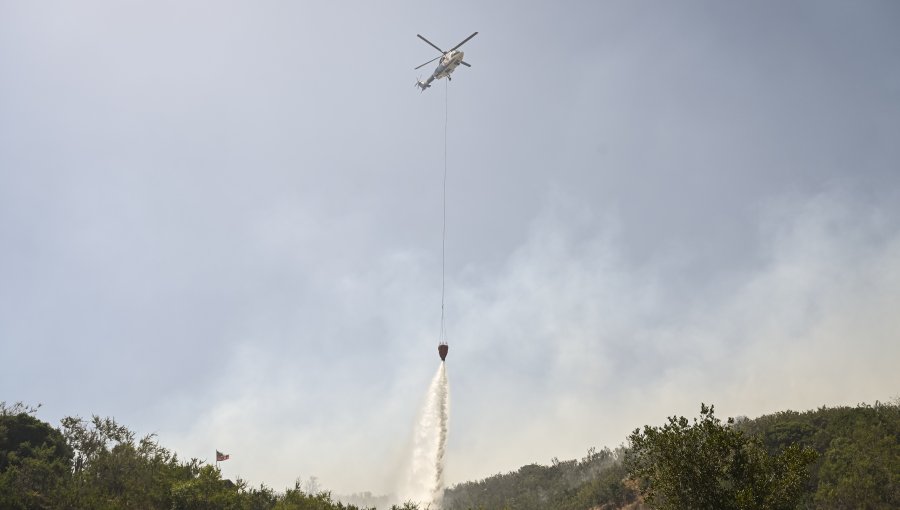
<point>443,335</point>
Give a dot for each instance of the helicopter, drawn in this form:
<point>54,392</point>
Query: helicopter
<point>450,60</point>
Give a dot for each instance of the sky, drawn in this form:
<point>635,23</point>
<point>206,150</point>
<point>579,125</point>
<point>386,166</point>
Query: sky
<point>220,222</point>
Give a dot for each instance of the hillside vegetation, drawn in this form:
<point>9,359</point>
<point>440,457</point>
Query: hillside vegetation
<point>834,458</point>
<point>844,457</point>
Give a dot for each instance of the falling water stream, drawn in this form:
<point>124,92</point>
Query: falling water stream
<point>425,484</point>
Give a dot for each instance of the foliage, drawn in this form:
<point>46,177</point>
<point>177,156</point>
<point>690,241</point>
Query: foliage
<point>593,481</point>
<point>859,462</point>
<point>98,464</point>
<point>112,470</point>
<point>21,435</point>
<point>760,463</point>
<point>858,466</point>
<point>297,499</point>
<point>34,459</point>
<point>710,465</point>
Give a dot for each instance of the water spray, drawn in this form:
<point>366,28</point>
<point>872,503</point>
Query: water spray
<point>425,484</point>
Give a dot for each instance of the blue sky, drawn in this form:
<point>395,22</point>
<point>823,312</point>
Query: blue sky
<point>220,222</point>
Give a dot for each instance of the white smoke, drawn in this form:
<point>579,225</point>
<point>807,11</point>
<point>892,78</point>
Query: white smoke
<point>425,481</point>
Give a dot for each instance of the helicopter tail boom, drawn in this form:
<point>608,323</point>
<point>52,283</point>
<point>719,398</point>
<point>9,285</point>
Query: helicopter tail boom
<point>424,84</point>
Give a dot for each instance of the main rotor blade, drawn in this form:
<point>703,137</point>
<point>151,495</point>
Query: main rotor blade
<point>464,41</point>
<point>430,61</point>
<point>431,43</point>
<point>463,62</point>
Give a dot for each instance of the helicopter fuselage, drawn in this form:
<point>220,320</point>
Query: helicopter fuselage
<point>449,62</point>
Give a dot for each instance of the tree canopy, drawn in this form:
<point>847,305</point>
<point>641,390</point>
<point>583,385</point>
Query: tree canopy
<point>844,457</point>
<point>759,463</point>
<point>707,464</point>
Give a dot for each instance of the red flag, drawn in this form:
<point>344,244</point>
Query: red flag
<point>221,456</point>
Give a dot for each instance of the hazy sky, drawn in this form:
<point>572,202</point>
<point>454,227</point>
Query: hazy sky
<point>220,222</point>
